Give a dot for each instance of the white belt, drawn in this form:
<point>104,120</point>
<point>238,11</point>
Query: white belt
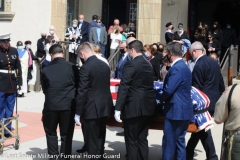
<point>7,71</point>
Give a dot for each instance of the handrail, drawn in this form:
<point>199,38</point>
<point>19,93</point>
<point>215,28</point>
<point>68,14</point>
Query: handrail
<point>223,63</point>
<point>113,60</point>
<point>65,46</point>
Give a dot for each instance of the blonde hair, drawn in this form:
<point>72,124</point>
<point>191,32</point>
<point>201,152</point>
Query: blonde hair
<point>86,47</point>
<point>97,49</point>
<point>75,21</point>
<point>116,28</point>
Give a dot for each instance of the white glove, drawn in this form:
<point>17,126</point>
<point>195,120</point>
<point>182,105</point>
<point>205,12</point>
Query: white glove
<point>117,116</point>
<point>77,120</point>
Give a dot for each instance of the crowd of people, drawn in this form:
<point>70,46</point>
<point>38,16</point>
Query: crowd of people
<point>80,89</point>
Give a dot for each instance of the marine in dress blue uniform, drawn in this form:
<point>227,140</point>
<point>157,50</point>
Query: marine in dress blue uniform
<point>10,73</point>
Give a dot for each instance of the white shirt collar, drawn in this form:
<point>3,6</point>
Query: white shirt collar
<point>198,58</point>
<point>169,30</point>
<point>178,59</point>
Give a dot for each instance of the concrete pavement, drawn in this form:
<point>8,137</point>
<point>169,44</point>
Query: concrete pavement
<point>33,141</point>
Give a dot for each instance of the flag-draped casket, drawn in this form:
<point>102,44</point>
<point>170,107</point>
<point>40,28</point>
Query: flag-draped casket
<point>200,101</point>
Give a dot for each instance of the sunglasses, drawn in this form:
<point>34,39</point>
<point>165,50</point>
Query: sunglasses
<point>99,22</point>
<point>209,37</point>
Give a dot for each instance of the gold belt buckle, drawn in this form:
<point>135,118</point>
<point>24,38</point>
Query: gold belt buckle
<point>9,71</point>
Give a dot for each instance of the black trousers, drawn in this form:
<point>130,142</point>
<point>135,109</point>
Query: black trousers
<point>135,134</point>
<point>65,120</point>
<point>95,135</point>
<point>207,142</point>
<point>72,58</point>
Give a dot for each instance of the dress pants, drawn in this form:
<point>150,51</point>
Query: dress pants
<point>135,134</point>
<point>95,135</point>
<point>102,47</point>
<point>207,142</point>
<point>7,102</point>
<point>174,139</point>
<point>72,58</point>
<point>65,120</point>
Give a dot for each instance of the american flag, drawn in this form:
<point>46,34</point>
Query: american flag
<point>199,99</point>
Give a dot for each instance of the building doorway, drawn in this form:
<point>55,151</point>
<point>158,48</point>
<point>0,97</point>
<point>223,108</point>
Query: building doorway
<point>209,11</point>
<point>124,10</point>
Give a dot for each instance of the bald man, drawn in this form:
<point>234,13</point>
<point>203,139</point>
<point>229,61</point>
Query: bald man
<point>83,29</point>
<point>116,22</point>
<point>41,45</point>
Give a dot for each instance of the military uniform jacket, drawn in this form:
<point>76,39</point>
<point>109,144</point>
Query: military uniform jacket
<point>9,61</point>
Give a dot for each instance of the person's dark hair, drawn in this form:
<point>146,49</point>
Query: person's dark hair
<point>19,43</point>
<point>27,42</point>
<point>165,59</point>
<point>213,37</point>
<point>56,48</point>
<point>94,17</point>
<point>175,48</point>
<point>155,44</point>
<point>218,27</point>
<point>49,39</point>
<point>137,45</point>
<point>213,53</point>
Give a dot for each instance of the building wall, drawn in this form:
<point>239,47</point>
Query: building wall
<point>58,17</point>
<point>149,20</point>
<point>31,18</point>
<point>176,13</point>
<point>89,8</point>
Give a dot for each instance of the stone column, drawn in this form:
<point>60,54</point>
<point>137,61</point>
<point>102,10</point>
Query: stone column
<point>58,17</point>
<point>149,21</point>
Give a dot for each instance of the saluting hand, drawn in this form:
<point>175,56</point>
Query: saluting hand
<point>77,120</point>
<point>117,116</point>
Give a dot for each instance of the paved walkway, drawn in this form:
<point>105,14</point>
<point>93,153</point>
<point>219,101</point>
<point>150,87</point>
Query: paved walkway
<point>33,140</point>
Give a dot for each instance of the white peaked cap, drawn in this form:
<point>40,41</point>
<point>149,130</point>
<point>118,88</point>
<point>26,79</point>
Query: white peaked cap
<point>5,36</point>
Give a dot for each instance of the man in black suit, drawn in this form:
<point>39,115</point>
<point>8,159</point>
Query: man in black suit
<point>207,77</point>
<point>83,29</point>
<point>59,83</point>
<point>137,100</point>
<point>94,101</point>
<point>40,45</point>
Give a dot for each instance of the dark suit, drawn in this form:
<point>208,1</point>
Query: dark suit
<point>94,103</point>
<point>9,63</point>
<point>83,31</point>
<point>206,76</point>
<point>178,110</point>
<point>168,37</point>
<point>120,65</point>
<point>40,48</point>
<point>137,101</point>
<point>59,106</point>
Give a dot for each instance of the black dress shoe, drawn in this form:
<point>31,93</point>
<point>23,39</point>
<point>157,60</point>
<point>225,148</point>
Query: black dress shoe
<point>82,150</point>
<point>120,134</point>
<point>7,135</point>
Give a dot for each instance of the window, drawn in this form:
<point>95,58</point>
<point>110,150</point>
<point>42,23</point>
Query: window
<point>70,12</point>
<point>133,12</point>
<point>1,5</point>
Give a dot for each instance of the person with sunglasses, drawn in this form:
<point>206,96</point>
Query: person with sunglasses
<point>213,45</point>
<point>98,36</point>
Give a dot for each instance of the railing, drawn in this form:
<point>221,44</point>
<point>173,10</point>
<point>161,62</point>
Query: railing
<point>113,60</point>
<point>65,46</point>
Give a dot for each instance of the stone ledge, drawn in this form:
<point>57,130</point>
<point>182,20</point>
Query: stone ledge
<point>6,16</point>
